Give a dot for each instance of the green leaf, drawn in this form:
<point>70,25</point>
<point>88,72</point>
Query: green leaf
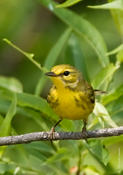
<point>93,153</point>
<point>30,56</point>
<point>68,125</point>
<point>116,50</point>
<point>74,53</point>
<point>117,14</point>
<point>116,4</point>
<point>11,84</point>
<point>101,111</point>
<point>1,119</point>
<point>52,57</point>
<point>113,96</point>
<point>113,140</point>
<point>31,101</point>
<point>43,147</point>
<point>94,121</point>
<point>57,160</point>
<point>116,107</point>
<point>37,103</point>
<point>100,151</point>
<point>57,48</point>
<point>6,124</point>
<point>103,78</point>
<point>58,156</point>
<point>7,168</point>
<point>120,56</point>
<point>89,170</point>
<point>26,111</point>
<point>68,3</point>
<point>82,27</point>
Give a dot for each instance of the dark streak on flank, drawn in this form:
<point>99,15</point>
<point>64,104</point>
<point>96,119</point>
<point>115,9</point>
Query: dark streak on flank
<point>53,102</point>
<point>92,97</point>
<point>79,103</point>
<point>84,99</point>
<point>51,98</point>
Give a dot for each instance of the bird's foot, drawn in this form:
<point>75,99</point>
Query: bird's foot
<point>52,131</point>
<point>84,131</point>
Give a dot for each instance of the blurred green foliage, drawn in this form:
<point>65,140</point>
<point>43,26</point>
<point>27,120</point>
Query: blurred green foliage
<point>88,38</point>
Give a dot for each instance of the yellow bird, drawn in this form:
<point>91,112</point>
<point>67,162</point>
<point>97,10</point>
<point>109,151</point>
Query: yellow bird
<point>71,97</point>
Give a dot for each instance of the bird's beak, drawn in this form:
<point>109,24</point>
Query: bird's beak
<point>51,74</point>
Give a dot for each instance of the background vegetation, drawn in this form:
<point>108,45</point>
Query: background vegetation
<point>86,34</point>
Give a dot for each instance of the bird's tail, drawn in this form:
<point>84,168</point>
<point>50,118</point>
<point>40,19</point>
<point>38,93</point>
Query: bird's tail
<point>99,92</point>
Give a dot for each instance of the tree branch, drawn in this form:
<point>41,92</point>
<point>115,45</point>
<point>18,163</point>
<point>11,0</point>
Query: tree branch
<point>45,136</point>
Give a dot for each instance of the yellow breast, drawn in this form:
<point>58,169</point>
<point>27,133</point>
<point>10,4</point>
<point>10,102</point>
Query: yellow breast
<point>70,104</point>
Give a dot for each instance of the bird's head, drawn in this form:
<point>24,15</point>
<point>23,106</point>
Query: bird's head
<point>65,76</point>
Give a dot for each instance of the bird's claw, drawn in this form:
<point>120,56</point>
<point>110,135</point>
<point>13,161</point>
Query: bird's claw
<point>84,134</point>
<point>51,135</point>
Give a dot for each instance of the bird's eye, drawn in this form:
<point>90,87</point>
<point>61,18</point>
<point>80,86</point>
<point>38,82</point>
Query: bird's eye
<point>66,73</point>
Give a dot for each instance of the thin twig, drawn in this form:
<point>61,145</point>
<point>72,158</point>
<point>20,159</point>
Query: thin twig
<point>45,136</point>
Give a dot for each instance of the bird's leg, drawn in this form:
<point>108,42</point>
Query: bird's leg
<point>84,130</point>
<point>84,127</point>
<point>53,129</point>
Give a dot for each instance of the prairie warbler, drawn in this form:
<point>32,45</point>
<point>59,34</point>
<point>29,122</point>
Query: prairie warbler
<point>71,97</point>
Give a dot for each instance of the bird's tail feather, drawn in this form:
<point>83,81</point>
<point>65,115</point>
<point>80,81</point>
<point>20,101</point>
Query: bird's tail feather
<point>99,92</point>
